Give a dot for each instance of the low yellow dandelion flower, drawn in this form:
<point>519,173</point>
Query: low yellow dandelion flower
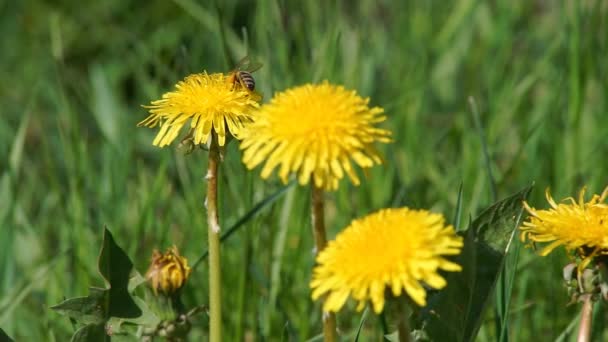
<point>208,102</point>
<point>396,248</point>
<point>315,131</point>
<point>578,226</point>
<point>168,272</point>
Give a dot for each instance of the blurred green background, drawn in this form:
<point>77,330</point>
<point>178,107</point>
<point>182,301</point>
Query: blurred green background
<point>72,159</point>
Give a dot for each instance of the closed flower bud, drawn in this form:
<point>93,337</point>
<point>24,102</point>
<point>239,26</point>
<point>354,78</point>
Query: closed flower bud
<point>168,272</point>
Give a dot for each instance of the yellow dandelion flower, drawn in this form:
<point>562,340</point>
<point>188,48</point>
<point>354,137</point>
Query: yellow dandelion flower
<point>315,131</point>
<point>209,102</point>
<point>578,226</point>
<point>396,248</point>
<point>168,272</point>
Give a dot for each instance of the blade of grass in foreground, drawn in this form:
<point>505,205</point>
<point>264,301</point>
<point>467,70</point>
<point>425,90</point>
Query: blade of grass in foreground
<point>506,284</point>
<point>248,216</point>
<point>458,212</point>
<point>363,317</point>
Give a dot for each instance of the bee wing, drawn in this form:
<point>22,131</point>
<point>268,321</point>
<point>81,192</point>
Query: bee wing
<point>246,64</point>
<point>253,66</point>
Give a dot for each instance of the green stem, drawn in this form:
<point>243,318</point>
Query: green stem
<point>318,225</point>
<point>215,283</point>
<point>403,325</point>
<point>584,330</point>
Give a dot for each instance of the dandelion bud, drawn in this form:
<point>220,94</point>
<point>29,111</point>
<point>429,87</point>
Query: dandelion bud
<point>168,272</point>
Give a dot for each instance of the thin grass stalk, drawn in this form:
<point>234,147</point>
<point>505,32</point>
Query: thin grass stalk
<point>215,307</point>
<point>320,236</point>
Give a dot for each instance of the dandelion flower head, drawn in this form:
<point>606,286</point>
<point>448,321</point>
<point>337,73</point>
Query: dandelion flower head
<point>168,272</point>
<point>400,249</point>
<point>577,225</point>
<point>206,101</point>
<point>315,131</point>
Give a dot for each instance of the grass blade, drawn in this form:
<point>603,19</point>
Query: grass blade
<point>248,216</point>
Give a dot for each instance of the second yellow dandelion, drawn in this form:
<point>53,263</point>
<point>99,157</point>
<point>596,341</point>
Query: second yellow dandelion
<point>315,131</point>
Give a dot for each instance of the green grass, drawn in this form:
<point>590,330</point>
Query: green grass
<point>73,161</point>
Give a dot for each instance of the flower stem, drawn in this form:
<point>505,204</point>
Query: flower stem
<point>318,226</point>
<point>403,325</point>
<point>215,308</point>
<point>584,330</point>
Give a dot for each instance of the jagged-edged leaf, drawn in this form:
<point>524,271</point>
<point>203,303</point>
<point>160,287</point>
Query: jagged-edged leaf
<point>147,316</point>
<point>4,337</point>
<point>86,310</point>
<point>115,267</point>
<point>455,313</point>
<point>91,333</point>
<point>114,264</point>
<point>135,281</point>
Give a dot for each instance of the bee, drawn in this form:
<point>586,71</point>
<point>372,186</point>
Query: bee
<point>240,76</point>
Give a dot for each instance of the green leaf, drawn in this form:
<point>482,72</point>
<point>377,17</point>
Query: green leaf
<point>4,337</point>
<point>455,313</point>
<point>114,301</point>
<point>114,264</point>
<point>135,281</point>
<point>86,310</point>
<point>91,333</point>
<point>392,337</point>
<point>147,316</point>
<point>115,267</point>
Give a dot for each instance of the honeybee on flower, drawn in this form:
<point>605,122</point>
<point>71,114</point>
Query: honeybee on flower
<point>241,76</point>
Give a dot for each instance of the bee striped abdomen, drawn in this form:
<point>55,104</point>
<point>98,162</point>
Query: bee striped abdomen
<point>247,80</point>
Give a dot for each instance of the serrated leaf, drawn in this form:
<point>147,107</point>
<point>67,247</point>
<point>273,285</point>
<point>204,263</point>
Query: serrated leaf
<point>135,281</point>
<point>4,337</point>
<point>86,310</point>
<point>115,301</point>
<point>455,313</point>
<point>115,267</point>
<point>114,264</point>
<point>91,333</point>
<point>147,316</point>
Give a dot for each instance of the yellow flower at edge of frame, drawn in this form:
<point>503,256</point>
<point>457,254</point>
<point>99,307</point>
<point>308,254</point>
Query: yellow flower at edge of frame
<point>577,225</point>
